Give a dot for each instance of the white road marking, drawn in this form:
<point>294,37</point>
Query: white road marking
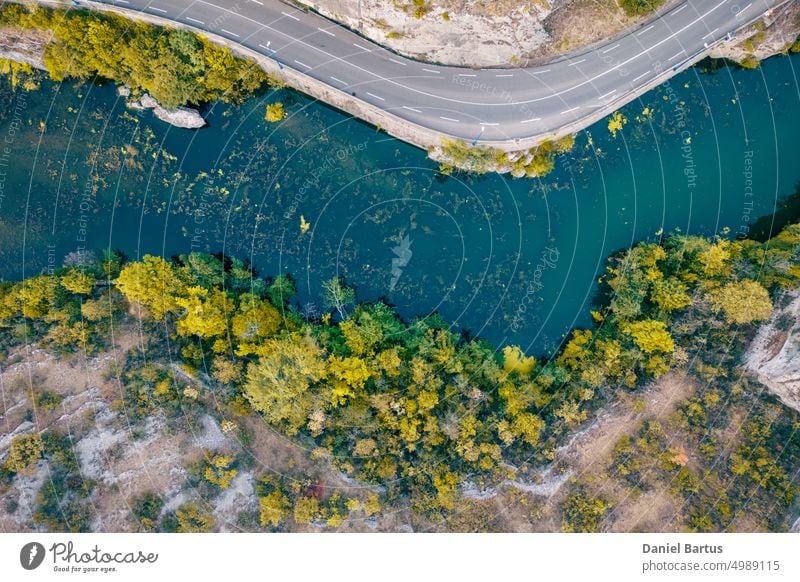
<point>361,47</point>
<point>302,64</point>
<point>328,32</point>
<point>540,71</point>
<point>376,96</point>
<point>683,52</point>
<point>124,1</point>
<point>576,63</point>
<point>681,8</point>
<point>290,16</point>
<point>266,47</point>
<point>158,9</point>
<point>651,27</point>
<point>257,2</point>
<point>642,76</point>
<point>195,20</point>
<point>412,109</point>
<point>229,32</point>
<point>608,50</point>
<point>431,71</point>
<point>499,76</point>
<point>743,10</point>
<point>398,62</point>
<point>466,75</point>
<point>570,110</point>
<point>486,123</point>
<point>531,120</point>
<point>450,119</point>
<point>710,33</point>
<point>609,94</point>
<point>608,71</point>
<point>338,80</point>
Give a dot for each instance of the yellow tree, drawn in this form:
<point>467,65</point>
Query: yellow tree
<point>25,451</point>
<point>77,281</point>
<point>670,294</point>
<point>255,320</point>
<point>742,301</point>
<point>278,384</point>
<point>154,283</point>
<point>651,336</point>
<point>206,312</point>
<point>274,508</point>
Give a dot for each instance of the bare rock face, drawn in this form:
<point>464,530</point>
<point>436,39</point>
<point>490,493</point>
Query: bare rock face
<point>474,33</point>
<point>774,355</point>
<point>183,117</point>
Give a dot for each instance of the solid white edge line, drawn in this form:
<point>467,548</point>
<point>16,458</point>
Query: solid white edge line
<point>376,96</point>
<point>450,119</point>
<point>290,16</point>
<point>329,33</point>
<point>194,20</point>
<point>412,109</point>
<point>302,64</point>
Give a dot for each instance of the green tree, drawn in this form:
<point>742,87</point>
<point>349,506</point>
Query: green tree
<point>582,513</point>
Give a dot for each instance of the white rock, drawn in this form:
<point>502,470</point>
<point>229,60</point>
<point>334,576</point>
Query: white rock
<point>774,355</point>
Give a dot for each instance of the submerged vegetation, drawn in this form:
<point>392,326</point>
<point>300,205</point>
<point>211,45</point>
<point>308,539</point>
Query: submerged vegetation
<point>175,66</point>
<point>413,407</point>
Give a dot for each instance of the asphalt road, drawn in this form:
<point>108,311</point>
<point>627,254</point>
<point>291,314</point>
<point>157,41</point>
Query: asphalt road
<point>480,104</point>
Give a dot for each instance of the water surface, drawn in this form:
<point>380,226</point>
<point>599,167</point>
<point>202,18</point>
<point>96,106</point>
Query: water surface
<point>513,260</point>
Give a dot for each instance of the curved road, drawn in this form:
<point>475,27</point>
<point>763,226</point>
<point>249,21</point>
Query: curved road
<point>493,105</point>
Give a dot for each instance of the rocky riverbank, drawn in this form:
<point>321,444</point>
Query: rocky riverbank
<point>28,46</point>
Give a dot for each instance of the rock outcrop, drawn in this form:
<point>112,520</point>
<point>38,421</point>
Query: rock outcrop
<point>183,117</point>
<point>774,355</point>
<point>772,35</point>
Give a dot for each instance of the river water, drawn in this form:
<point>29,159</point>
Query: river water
<point>512,260</point>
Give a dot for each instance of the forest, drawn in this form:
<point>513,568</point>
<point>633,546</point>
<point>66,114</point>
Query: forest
<point>415,408</point>
<point>175,66</point>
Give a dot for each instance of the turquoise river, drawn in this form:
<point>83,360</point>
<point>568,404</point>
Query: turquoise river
<point>512,260</point>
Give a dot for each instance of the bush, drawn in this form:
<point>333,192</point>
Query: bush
<point>640,7</point>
